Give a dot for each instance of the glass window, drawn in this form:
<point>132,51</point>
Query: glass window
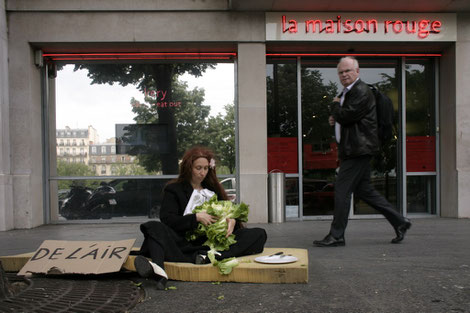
<point>420,136</point>
<point>420,117</point>
<point>281,80</point>
<point>292,197</point>
<point>282,123</point>
<point>148,114</point>
<point>421,194</point>
<point>117,198</point>
<point>319,87</point>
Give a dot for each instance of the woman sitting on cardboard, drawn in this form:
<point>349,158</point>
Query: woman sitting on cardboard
<point>165,241</point>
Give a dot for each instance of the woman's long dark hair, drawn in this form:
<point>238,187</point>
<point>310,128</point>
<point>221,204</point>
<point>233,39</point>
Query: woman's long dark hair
<point>210,182</point>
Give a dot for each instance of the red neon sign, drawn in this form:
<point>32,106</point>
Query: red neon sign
<point>423,28</point>
<point>353,54</point>
<point>141,56</point>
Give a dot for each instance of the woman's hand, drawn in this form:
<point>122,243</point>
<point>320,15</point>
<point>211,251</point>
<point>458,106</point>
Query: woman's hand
<point>230,226</point>
<point>205,218</point>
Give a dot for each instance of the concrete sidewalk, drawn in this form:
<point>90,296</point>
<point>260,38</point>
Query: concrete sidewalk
<point>428,272</point>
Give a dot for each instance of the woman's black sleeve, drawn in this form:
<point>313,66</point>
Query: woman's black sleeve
<point>172,209</point>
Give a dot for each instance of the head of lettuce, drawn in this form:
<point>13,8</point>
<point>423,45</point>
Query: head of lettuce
<point>216,233</point>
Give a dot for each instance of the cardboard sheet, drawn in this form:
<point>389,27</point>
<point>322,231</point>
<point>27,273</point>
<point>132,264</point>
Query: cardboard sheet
<point>78,257</point>
<point>248,271</point>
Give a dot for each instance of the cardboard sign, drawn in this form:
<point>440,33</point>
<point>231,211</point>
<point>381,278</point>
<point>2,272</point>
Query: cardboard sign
<point>78,257</point>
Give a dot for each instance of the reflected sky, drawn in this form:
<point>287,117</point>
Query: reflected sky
<point>80,104</point>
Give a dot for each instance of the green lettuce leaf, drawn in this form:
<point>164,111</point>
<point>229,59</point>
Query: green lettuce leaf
<point>216,232</point>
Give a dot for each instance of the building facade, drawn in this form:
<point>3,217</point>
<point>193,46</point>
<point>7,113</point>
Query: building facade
<point>104,160</point>
<point>73,144</point>
<point>283,55</point>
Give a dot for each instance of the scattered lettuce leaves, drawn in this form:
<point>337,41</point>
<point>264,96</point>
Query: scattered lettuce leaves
<point>226,265</point>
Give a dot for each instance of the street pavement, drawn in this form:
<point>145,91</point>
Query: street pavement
<point>428,272</point>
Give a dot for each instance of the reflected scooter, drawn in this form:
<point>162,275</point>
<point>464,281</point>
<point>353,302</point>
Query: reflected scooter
<point>85,203</point>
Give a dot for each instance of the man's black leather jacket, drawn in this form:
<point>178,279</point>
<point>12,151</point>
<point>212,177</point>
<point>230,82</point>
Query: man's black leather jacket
<point>358,120</point>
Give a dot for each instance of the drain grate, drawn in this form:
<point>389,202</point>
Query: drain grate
<point>74,294</point>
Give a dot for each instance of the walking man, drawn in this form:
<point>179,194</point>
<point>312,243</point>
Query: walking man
<point>355,119</point>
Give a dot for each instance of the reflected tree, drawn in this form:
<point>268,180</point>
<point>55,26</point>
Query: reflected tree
<point>148,77</point>
<point>282,100</point>
<point>73,169</point>
<point>221,132</point>
<point>419,108</point>
<point>317,97</point>
<point>193,124</point>
<point>386,160</point>
<point>128,170</point>
<point>190,122</point>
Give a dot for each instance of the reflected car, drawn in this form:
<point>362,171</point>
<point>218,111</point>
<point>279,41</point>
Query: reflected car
<point>138,197</point>
<point>126,197</point>
<point>82,202</point>
<point>230,186</point>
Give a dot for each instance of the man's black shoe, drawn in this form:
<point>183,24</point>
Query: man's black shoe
<point>401,231</point>
<point>161,283</point>
<point>143,266</point>
<point>147,269</point>
<point>330,241</point>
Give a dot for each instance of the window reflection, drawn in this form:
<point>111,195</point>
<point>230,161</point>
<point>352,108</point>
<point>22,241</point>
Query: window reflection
<point>105,199</point>
<point>319,87</point>
<point>138,119</point>
<point>421,194</point>
<point>421,136</point>
<point>281,80</point>
<point>320,84</point>
<point>420,117</point>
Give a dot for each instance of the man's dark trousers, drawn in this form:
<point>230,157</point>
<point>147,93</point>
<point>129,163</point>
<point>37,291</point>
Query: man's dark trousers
<point>354,176</point>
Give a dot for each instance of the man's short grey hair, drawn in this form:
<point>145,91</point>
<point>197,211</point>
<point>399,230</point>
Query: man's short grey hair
<point>355,63</point>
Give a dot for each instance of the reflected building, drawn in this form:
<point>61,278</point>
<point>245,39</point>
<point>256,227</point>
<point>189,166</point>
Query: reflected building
<point>105,161</point>
<point>73,144</point>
